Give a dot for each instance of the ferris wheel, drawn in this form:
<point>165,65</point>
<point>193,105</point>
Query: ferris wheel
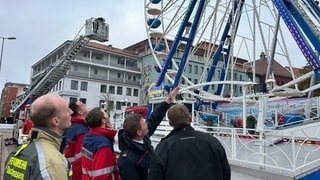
<point>223,36</point>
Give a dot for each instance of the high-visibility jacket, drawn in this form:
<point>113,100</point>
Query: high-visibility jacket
<point>75,135</point>
<point>98,157</point>
<point>39,159</point>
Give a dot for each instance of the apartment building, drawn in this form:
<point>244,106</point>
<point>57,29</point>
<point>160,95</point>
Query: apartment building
<point>9,94</point>
<point>194,69</point>
<point>99,74</point>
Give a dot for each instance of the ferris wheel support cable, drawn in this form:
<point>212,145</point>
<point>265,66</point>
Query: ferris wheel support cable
<point>233,27</point>
<point>220,47</point>
<point>229,50</point>
<point>212,45</point>
<point>274,44</point>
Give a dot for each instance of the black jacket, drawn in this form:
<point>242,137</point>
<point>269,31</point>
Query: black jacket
<point>134,158</point>
<point>189,154</point>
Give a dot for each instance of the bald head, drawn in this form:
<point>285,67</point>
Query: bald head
<point>178,114</point>
<point>51,111</point>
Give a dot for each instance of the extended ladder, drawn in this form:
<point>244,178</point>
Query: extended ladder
<point>96,29</point>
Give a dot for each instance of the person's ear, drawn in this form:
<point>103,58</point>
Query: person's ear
<point>103,121</point>
<point>55,121</point>
<point>139,132</point>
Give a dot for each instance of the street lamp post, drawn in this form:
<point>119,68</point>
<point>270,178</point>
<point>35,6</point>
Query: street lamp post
<point>3,38</point>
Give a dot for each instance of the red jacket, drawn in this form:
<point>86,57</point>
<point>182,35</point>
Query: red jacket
<point>75,135</point>
<point>98,157</point>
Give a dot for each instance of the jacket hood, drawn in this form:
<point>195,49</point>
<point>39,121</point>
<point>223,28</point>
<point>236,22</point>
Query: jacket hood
<point>109,133</point>
<point>79,120</point>
<point>125,142</point>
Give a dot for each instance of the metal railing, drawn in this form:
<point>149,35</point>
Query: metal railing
<point>286,151</point>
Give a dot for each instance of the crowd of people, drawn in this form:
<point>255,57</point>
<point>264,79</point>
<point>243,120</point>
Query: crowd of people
<point>70,142</point>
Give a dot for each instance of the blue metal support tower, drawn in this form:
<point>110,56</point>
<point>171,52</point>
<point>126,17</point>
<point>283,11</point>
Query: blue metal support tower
<point>178,38</point>
<point>300,29</point>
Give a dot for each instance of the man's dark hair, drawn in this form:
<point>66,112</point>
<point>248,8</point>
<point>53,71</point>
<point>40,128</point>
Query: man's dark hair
<point>74,107</point>
<point>94,117</point>
<point>132,124</point>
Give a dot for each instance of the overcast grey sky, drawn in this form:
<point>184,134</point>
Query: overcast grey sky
<point>42,25</point>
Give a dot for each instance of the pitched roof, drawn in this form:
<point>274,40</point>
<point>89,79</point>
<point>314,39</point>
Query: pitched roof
<point>296,71</point>
<point>262,65</point>
<point>110,48</point>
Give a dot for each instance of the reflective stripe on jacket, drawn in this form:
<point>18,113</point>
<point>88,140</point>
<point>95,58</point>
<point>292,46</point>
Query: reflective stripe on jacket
<point>75,135</point>
<point>39,159</point>
<point>98,158</point>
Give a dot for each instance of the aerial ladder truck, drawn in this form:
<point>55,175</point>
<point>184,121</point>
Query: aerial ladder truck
<point>44,81</point>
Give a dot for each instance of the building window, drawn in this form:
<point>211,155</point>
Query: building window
<point>118,105</point>
<point>195,81</point>
<point>134,104</point>
<point>196,69</point>
<point>119,90</point>
<point>121,60</point>
<point>136,92</point>
<point>190,68</point>
<point>74,85</point>
<point>99,57</point>
<point>103,88</point>
<point>240,77</point>
<point>60,84</point>
<point>83,86</point>
<point>119,75</point>
<point>95,71</point>
<point>72,99</point>
<point>111,89</point>
<point>83,100</point>
<point>129,92</point>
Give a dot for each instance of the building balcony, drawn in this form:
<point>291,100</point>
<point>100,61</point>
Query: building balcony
<point>75,93</point>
